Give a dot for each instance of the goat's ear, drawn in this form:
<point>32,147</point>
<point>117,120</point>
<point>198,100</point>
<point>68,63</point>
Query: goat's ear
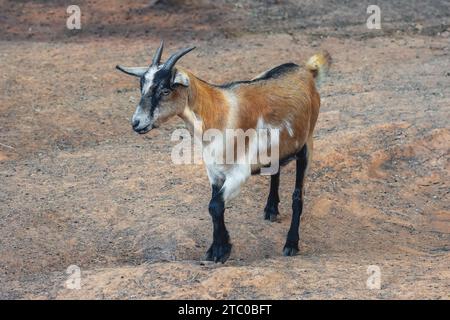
<point>181,78</point>
<point>133,71</point>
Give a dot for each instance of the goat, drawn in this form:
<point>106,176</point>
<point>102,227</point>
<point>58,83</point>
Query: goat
<point>284,97</point>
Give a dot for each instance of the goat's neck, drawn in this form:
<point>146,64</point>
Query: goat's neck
<point>206,105</point>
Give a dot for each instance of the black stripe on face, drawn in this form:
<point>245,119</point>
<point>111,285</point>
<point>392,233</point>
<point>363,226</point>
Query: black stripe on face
<point>161,80</point>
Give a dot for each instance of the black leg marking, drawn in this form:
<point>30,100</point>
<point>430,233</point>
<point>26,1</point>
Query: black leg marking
<point>221,248</point>
<point>291,246</point>
<point>271,209</point>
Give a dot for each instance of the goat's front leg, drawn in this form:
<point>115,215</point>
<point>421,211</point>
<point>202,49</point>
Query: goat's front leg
<point>221,248</point>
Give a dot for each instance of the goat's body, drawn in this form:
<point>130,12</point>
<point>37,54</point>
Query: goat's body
<point>283,98</point>
<point>283,101</point>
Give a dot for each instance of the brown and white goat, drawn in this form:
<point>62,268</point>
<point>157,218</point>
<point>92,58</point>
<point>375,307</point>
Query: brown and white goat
<point>284,97</point>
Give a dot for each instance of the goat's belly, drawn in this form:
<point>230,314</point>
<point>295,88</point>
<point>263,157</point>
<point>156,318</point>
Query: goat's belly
<point>266,168</point>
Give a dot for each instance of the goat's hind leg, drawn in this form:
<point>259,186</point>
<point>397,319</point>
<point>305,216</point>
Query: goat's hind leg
<point>291,246</point>
<point>271,209</point>
<point>221,248</point>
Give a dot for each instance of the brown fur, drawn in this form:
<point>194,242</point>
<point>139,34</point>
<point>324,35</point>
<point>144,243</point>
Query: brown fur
<point>291,98</point>
<point>207,102</point>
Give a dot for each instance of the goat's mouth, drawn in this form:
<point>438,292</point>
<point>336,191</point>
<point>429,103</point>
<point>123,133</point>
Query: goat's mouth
<point>145,129</point>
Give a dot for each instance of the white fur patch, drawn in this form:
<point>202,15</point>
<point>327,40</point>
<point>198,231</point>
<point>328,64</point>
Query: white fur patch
<point>149,77</point>
<point>260,124</point>
<point>181,78</point>
<point>288,127</point>
<point>233,103</point>
<point>234,179</point>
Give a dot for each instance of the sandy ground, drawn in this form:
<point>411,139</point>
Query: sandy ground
<point>78,187</point>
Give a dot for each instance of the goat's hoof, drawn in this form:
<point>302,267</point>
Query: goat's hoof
<point>290,250</point>
<point>218,252</point>
<point>271,214</point>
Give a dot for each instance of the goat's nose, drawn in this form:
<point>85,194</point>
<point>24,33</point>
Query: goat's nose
<point>135,123</point>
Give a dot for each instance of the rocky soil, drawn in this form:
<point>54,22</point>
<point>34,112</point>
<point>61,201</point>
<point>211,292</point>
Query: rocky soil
<point>79,187</point>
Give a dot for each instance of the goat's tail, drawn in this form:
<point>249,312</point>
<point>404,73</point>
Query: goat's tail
<point>318,64</point>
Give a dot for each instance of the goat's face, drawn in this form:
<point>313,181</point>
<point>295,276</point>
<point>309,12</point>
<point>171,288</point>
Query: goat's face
<point>163,93</point>
<point>161,98</point>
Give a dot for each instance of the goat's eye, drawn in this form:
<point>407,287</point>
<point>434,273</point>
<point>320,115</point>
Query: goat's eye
<point>165,92</point>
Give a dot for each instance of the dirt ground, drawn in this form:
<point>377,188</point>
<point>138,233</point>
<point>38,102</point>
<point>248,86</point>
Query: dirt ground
<point>79,187</point>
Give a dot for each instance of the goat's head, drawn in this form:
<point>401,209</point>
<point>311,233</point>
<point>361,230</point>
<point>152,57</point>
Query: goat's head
<point>163,93</point>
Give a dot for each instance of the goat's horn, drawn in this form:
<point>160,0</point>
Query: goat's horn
<point>175,57</point>
<point>158,54</point>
